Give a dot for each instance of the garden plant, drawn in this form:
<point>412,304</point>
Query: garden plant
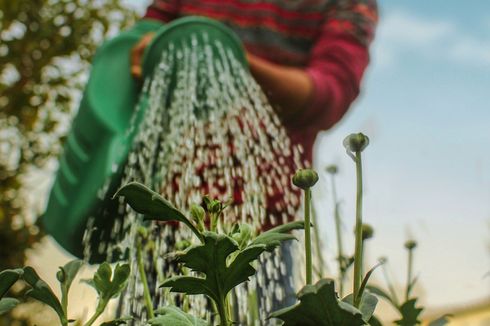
<point>220,257</point>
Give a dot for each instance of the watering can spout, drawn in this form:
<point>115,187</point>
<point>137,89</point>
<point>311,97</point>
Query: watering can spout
<point>90,168</point>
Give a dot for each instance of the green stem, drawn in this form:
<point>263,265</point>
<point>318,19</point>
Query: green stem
<point>409,274</point>
<point>340,255</point>
<point>309,270</point>
<point>64,306</point>
<point>318,244</point>
<point>100,309</point>
<point>223,312</point>
<point>358,245</point>
<point>391,288</point>
<point>146,290</point>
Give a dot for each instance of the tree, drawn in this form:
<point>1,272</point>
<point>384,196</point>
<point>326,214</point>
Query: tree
<point>45,51</point>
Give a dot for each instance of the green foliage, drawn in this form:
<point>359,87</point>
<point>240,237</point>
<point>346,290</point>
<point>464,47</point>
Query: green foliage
<point>45,50</point>
<point>7,304</point>
<point>42,292</point>
<point>367,304</point>
<point>152,205</point>
<point>107,285</point>
<point>173,316</point>
<point>65,277</point>
<point>318,306</point>
<point>117,322</point>
<point>441,321</point>
<point>410,313</point>
<point>8,278</point>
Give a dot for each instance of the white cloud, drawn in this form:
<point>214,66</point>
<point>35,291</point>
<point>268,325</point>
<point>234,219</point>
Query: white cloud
<point>402,32</point>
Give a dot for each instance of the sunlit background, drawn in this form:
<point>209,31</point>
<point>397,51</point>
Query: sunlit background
<point>424,106</point>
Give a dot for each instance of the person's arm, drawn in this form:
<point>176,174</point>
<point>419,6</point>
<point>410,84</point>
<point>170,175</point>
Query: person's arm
<point>289,89</point>
<point>318,95</point>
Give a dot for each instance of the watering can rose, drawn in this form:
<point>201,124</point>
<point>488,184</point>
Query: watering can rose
<point>305,178</point>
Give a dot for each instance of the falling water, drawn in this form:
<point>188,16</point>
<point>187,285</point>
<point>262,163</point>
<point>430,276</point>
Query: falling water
<point>207,129</point>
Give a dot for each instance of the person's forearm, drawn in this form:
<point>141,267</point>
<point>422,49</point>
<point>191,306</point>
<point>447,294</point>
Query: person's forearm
<point>289,89</point>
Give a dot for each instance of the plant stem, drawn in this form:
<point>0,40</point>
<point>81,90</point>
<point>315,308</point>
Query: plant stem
<point>98,311</point>
<point>64,306</point>
<point>146,290</point>
<point>223,312</point>
<point>358,245</point>
<point>309,270</point>
<point>340,255</point>
<point>391,288</point>
<point>318,246</point>
<point>409,274</point>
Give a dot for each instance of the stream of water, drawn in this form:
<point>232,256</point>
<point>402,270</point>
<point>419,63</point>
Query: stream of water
<point>207,129</point>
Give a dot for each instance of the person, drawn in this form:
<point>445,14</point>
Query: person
<point>309,57</point>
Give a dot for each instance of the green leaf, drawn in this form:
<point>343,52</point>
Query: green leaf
<point>366,306</point>
<point>173,316</point>
<point>117,322</point>
<point>152,205</point>
<point>319,306</point>
<point>42,292</point>
<point>441,321</point>
<point>374,321</point>
<point>381,293</point>
<point>365,281</point>
<point>409,313</point>
<point>8,278</point>
<point>273,238</point>
<point>67,274</point>
<point>7,304</point>
<point>106,287</point>
<point>211,259</point>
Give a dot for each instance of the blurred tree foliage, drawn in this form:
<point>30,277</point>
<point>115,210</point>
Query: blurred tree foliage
<point>45,50</point>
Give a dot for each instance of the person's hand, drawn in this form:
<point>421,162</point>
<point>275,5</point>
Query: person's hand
<point>137,55</point>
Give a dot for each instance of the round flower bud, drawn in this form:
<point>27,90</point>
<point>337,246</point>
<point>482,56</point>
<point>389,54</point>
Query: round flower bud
<point>305,178</point>
<point>356,142</point>
<point>332,169</point>
<point>367,231</point>
<point>410,244</point>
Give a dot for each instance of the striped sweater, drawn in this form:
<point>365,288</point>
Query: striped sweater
<point>328,38</point>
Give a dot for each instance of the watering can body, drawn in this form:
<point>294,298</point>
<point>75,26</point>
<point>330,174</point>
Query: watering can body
<point>100,139</point>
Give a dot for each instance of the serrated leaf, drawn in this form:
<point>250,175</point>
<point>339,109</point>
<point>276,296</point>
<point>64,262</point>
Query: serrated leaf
<point>7,304</point>
<point>117,322</point>
<point>173,316</point>
<point>211,259</point>
<point>42,292</point>
<point>409,313</point>
<point>152,204</point>
<point>106,287</point>
<point>273,237</point>
<point>8,278</point>
<point>366,306</point>
<point>318,306</point>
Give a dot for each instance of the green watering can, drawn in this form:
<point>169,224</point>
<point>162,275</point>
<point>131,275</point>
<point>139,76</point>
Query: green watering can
<point>99,142</point>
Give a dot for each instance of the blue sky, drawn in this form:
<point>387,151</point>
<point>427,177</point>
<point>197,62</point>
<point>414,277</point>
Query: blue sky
<point>425,107</point>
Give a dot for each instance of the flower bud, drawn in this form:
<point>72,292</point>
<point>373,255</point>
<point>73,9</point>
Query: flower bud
<point>305,178</point>
<point>367,231</point>
<point>410,244</point>
<point>197,213</point>
<point>60,275</point>
<point>356,142</point>
<point>332,169</point>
